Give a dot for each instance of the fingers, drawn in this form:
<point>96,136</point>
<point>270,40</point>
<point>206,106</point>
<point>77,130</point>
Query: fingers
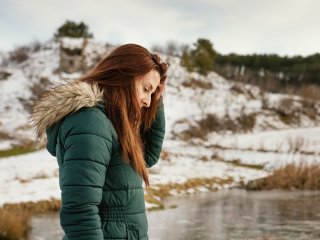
<point>161,87</point>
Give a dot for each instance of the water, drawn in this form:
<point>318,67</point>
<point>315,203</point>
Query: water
<point>230,214</point>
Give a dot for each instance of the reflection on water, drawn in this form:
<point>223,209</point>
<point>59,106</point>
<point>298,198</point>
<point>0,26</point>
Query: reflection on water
<point>231,214</point>
<point>46,226</point>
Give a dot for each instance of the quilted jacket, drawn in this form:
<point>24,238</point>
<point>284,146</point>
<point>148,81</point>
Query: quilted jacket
<point>102,196</point>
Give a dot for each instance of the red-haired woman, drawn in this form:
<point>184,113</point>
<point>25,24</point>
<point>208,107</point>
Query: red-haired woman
<point>105,130</point>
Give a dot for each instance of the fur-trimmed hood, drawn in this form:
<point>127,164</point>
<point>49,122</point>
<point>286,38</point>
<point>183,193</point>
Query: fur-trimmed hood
<point>62,100</point>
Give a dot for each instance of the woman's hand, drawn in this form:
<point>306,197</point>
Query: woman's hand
<point>161,90</point>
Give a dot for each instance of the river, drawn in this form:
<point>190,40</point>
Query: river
<point>222,215</point>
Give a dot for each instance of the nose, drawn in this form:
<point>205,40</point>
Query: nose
<point>146,102</point>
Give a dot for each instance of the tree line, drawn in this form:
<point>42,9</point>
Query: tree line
<point>295,70</point>
<point>201,57</point>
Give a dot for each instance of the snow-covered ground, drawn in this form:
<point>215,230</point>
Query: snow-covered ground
<point>34,176</point>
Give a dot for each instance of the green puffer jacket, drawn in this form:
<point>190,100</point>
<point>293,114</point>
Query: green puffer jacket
<point>102,196</point>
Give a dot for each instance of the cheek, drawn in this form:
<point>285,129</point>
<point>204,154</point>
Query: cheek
<point>139,94</point>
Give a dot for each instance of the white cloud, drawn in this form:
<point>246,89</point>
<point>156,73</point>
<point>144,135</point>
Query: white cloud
<point>279,26</point>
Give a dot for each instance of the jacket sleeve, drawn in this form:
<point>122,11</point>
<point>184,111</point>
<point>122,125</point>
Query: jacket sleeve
<point>154,137</point>
<point>87,142</point>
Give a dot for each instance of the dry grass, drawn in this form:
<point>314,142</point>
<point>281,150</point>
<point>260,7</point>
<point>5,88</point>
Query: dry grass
<point>246,122</point>
<point>212,123</point>
<point>34,207</point>
<point>14,217</point>
<point>286,103</point>
<point>288,112</point>
<point>296,144</point>
<point>4,75</point>
<point>163,190</point>
<point>309,108</point>
<point>37,90</point>
<point>14,225</point>
<point>155,195</point>
<point>39,175</point>
<point>290,177</point>
<point>240,89</point>
<point>309,92</point>
<point>20,54</point>
<point>237,163</point>
<point>164,155</point>
<point>195,83</point>
<point>5,135</point>
<point>192,132</point>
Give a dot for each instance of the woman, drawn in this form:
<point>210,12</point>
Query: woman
<point>105,129</point>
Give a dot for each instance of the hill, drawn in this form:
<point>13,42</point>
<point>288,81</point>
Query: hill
<point>219,133</point>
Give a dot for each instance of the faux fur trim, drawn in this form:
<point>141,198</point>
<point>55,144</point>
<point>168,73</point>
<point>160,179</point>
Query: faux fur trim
<point>62,100</point>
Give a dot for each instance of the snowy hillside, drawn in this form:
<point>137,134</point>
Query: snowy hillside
<point>210,122</point>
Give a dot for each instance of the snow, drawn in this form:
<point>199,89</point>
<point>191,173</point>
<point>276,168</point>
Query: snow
<point>278,140</point>
<point>271,144</point>
<point>72,43</point>
<point>34,176</point>
<point>29,177</point>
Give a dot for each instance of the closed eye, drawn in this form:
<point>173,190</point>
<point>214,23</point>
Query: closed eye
<point>146,90</point>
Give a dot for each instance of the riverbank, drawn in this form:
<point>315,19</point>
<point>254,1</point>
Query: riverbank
<point>30,182</point>
<point>34,176</point>
<point>233,214</point>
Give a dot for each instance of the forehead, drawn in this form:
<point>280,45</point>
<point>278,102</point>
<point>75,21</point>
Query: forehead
<point>153,77</point>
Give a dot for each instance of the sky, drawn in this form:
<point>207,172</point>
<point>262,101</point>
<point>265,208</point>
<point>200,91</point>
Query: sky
<point>283,27</point>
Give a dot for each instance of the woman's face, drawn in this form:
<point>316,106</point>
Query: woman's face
<point>146,86</point>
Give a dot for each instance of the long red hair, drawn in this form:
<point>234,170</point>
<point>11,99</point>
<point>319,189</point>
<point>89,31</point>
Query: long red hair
<point>116,75</point>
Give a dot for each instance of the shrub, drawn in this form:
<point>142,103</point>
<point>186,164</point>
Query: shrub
<point>288,113</point>
<point>203,56</point>
<point>36,46</point>
<point>292,176</point>
<point>37,89</point>
<point>72,29</point>
<point>19,54</point>
<point>286,104</point>
<point>4,75</point>
<point>264,101</point>
<point>165,156</point>
<point>242,90</point>
<point>192,132</point>
<point>310,109</point>
<point>14,225</point>
<point>158,48</point>
<point>200,59</point>
<point>237,89</point>
<point>186,60</point>
<point>246,122</point>
<point>309,92</point>
<point>194,83</point>
<point>5,135</point>
<point>14,217</point>
<point>172,48</point>
<point>212,123</point>
<point>34,207</point>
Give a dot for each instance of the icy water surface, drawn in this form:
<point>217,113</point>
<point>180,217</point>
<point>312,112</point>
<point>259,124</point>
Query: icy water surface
<point>229,214</point>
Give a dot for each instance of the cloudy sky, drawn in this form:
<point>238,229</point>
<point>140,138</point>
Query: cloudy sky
<point>284,27</point>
